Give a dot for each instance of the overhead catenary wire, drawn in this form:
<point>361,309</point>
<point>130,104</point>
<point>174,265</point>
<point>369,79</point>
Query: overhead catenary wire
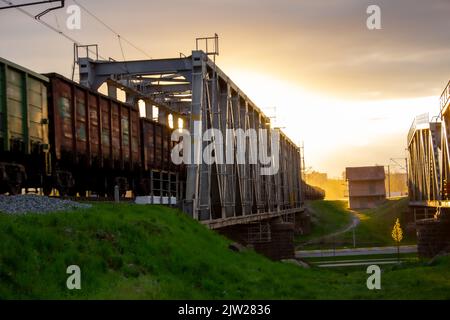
<point>57,22</point>
<point>119,36</point>
<point>123,54</point>
<point>121,48</point>
<point>49,26</point>
<point>60,32</point>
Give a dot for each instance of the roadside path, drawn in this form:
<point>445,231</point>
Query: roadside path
<point>353,224</point>
<point>354,251</point>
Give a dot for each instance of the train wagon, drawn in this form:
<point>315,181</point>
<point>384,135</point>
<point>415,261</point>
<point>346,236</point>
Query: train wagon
<point>95,140</point>
<point>24,145</point>
<point>58,135</point>
<point>312,192</point>
<point>159,175</point>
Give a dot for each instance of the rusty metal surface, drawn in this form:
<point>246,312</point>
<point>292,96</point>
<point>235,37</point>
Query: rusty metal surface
<point>90,125</point>
<point>156,144</point>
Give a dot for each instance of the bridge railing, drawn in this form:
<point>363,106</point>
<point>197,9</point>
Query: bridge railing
<point>445,96</point>
<point>418,123</point>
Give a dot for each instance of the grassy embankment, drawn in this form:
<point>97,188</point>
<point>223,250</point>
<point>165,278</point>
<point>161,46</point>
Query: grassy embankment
<point>326,217</point>
<point>374,228</point>
<point>129,251</point>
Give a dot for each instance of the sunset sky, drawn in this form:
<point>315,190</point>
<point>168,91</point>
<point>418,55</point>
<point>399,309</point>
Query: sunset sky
<point>348,92</point>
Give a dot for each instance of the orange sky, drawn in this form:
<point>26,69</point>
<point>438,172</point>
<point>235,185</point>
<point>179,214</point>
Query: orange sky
<point>349,93</point>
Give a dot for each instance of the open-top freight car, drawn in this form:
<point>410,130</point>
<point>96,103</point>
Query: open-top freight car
<point>24,140</point>
<point>95,140</point>
<point>312,192</point>
<point>161,175</point>
<point>57,134</point>
<point>98,142</point>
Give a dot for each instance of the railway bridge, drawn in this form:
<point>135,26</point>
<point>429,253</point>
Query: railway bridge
<point>236,198</point>
<point>429,174</point>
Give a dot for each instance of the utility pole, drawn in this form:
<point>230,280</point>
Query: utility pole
<point>407,175</point>
<point>389,180</point>
<point>397,162</point>
<point>354,238</point>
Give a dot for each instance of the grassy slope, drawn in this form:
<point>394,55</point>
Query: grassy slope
<point>374,228</point>
<point>130,251</point>
<point>326,217</point>
<point>376,225</point>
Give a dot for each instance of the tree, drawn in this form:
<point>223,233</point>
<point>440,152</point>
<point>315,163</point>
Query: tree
<point>397,235</point>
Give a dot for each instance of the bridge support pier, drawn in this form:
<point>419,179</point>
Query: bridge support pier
<point>302,223</point>
<point>433,235</point>
<point>273,238</point>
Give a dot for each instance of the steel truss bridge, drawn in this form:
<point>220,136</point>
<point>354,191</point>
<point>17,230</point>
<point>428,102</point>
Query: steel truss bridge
<point>429,157</point>
<point>196,89</point>
<point>428,180</point>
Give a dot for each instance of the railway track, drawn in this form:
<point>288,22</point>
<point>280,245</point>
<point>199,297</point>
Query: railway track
<point>93,199</point>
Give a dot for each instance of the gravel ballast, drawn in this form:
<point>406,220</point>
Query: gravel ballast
<point>22,204</point>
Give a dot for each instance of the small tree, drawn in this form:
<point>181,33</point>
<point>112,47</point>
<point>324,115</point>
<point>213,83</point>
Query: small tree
<point>397,235</point>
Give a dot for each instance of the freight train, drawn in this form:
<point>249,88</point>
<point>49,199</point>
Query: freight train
<point>58,135</point>
<point>66,139</point>
<point>312,192</point>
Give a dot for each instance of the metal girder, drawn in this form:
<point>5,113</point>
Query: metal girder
<point>94,73</point>
<point>425,143</point>
<point>429,158</point>
<point>217,191</point>
<point>175,88</point>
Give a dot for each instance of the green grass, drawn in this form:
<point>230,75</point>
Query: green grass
<point>153,252</point>
<point>374,229</point>
<point>326,217</point>
<point>376,225</point>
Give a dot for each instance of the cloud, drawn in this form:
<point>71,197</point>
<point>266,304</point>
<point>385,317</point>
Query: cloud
<point>322,47</point>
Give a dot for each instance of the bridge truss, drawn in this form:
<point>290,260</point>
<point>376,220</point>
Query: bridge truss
<point>196,89</point>
<point>429,157</point>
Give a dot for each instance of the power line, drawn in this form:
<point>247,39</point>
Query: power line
<point>57,22</point>
<point>121,48</point>
<point>49,26</point>
<point>120,37</point>
<point>123,54</point>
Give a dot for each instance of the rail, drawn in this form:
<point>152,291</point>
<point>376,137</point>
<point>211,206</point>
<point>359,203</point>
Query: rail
<point>256,217</point>
<point>418,121</point>
<point>445,96</point>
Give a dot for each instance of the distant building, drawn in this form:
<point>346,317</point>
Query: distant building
<point>366,186</point>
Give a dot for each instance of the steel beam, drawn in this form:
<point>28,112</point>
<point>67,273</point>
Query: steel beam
<point>196,86</point>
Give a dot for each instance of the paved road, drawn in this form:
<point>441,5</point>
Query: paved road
<point>340,264</point>
<point>354,251</point>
